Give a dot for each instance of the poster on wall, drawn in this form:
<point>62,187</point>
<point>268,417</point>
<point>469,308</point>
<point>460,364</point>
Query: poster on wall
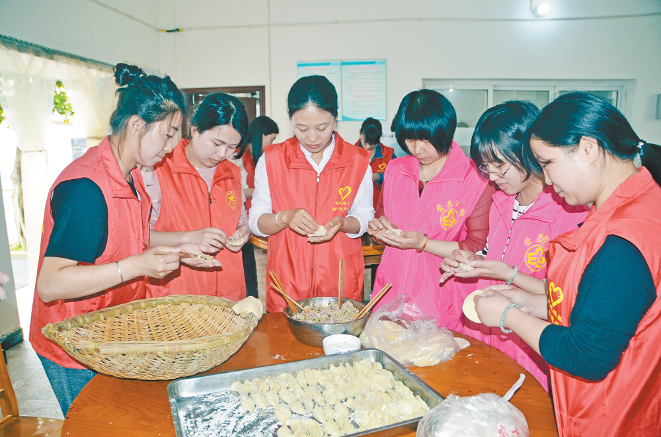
<point>332,70</point>
<point>363,90</point>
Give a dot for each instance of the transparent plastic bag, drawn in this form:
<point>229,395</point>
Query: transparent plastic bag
<point>403,331</point>
<point>483,415</point>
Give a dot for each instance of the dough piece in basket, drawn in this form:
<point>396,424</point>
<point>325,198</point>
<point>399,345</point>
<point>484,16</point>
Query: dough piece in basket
<point>247,403</point>
<point>282,413</point>
<point>320,232</point>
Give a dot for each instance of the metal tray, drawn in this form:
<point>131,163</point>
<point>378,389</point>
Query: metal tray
<point>204,406</point>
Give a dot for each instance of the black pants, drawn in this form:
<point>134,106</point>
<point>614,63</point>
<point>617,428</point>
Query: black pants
<point>250,269</point>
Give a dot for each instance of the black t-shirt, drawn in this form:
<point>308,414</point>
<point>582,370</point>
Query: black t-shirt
<point>80,213</point>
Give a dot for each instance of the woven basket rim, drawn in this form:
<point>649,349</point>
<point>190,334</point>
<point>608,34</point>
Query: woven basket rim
<point>52,331</point>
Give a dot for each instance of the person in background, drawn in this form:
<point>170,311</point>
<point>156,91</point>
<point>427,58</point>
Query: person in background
<point>261,133</point>
<point>96,248</point>
<point>380,155</point>
<point>313,179</point>
<point>525,215</point>
<point>4,279</point>
<point>197,196</point>
<point>599,326</point>
<point>439,199</point>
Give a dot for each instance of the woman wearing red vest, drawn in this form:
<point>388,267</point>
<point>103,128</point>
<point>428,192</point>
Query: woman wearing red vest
<point>197,196</point>
<point>438,197</point>
<point>525,215</point>
<point>94,246</point>
<point>380,155</point>
<point>313,179</point>
<point>261,133</point>
<point>599,325</point>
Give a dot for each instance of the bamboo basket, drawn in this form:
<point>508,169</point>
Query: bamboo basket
<point>155,339</point>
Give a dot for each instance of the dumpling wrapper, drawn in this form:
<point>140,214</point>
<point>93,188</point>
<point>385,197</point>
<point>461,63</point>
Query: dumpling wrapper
<point>466,267</point>
<point>395,232</point>
<point>319,232</point>
<point>235,241</point>
<point>469,307</point>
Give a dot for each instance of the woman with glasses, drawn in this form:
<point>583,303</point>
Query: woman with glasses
<point>525,215</point>
<point>439,200</point>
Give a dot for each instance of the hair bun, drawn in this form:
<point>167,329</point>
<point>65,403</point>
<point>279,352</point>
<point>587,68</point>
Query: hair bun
<point>125,73</point>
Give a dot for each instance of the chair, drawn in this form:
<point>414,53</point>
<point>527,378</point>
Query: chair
<point>13,425</point>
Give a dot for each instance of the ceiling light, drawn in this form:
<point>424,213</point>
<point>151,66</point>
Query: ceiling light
<point>539,7</point>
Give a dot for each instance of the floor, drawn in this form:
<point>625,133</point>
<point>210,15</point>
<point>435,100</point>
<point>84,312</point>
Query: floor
<point>33,391</point>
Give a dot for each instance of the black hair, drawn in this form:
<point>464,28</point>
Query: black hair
<point>312,91</point>
<point>220,109</point>
<point>258,128</point>
<point>502,130</point>
<point>372,131</point>
<point>151,98</point>
<point>563,122</point>
<point>426,115</point>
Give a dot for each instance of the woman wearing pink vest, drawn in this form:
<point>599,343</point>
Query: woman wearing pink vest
<point>197,196</point>
<point>313,179</point>
<point>439,199</point>
<point>95,242</point>
<point>524,217</point>
<point>599,324</point>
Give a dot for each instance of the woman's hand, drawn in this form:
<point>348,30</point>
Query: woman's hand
<point>377,225</point>
<point>406,240</point>
<point>198,249</point>
<point>333,226</point>
<point>533,304</point>
<point>490,307</point>
<point>299,221</point>
<point>450,265</point>
<point>157,266</point>
<point>242,234</point>
<point>213,237</point>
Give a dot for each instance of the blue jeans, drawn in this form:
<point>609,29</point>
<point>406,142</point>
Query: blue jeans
<point>66,383</point>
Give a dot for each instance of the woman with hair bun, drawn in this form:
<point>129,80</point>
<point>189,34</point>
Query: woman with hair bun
<point>314,179</point>
<point>599,324</point>
<point>380,155</point>
<point>197,197</point>
<point>95,245</point>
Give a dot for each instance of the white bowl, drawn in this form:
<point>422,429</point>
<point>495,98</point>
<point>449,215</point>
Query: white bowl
<point>340,344</point>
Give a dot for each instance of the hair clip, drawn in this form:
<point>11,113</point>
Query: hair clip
<point>641,144</point>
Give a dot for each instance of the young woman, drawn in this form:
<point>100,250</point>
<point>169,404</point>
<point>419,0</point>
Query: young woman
<point>438,197</point>
<point>94,247</point>
<point>602,329</point>
<point>313,179</point>
<point>197,196</point>
<point>261,133</point>
<point>380,155</point>
<point>525,215</point>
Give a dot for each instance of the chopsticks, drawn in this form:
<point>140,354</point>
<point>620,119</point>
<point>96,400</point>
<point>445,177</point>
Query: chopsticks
<point>340,287</point>
<point>181,254</point>
<point>373,302</point>
<point>280,289</point>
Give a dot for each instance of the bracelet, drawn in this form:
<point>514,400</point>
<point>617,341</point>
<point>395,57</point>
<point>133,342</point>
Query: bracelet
<point>516,270</point>
<point>502,319</point>
<point>424,245</point>
<point>120,272</point>
<point>276,220</point>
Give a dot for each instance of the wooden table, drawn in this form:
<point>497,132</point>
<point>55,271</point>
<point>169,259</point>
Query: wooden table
<point>112,407</point>
<point>371,251</point>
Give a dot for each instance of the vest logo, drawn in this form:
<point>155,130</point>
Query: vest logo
<point>450,215</point>
<point>535,257</point>
<point>230,196</point>
<point>554,298</point>
<point>344,192</point>
<point>382,167</point>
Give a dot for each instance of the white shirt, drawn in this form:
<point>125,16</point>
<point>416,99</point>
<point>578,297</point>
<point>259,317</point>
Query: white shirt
<point>362,207</point>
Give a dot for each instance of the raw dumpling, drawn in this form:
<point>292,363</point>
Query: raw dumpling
<point>283,431</point>
<point>300,378</point>
<point>247,403</point>
<point>250,387</point>
<point>296,426</point>
<point>330,396</point>
<point>310,378</point>
<point>310,392</point>
<point>313,428</point>
<point>260,401</point>
<point>307,403</point>
<point>282,413</point>
<point>298,408</point>
<point>238,387</point>
<point>287,396</point>
<point>319,414</point>
<point>288,379</point>
<point>272,398</point>
<point>298,391</point>
<point>332,429</point>
<point>340,408</point>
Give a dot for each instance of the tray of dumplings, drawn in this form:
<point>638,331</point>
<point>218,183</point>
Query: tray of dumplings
<point>352,394</point>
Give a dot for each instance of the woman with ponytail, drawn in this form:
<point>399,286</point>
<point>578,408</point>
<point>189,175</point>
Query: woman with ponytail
<point>599,323</point>
<point>95,245</point>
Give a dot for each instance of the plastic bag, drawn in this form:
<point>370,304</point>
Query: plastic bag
<point>483,415</point>
<point>403,331</point>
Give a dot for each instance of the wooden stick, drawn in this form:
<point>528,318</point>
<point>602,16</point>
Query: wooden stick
<point>373,301</point>
<point>340,287</point>
<point>284,294</point>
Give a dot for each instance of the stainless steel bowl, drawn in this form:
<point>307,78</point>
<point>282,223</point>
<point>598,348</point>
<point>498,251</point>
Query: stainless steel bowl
<point>313,334</point>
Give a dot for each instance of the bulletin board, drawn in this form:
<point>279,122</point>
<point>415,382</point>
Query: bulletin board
<point>360,85</point>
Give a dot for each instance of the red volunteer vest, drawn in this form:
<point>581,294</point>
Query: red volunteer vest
<point>628,401</point>
<point>379,166</point>
<point>128,234</point>
<point>249,165</point>
<point>311,270</point>
<point>186,205</point>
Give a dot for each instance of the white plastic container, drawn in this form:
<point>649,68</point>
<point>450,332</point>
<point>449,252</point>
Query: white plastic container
<point>340,344</point>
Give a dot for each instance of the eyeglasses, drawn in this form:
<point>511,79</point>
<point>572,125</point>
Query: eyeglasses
<point>500,174</point>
